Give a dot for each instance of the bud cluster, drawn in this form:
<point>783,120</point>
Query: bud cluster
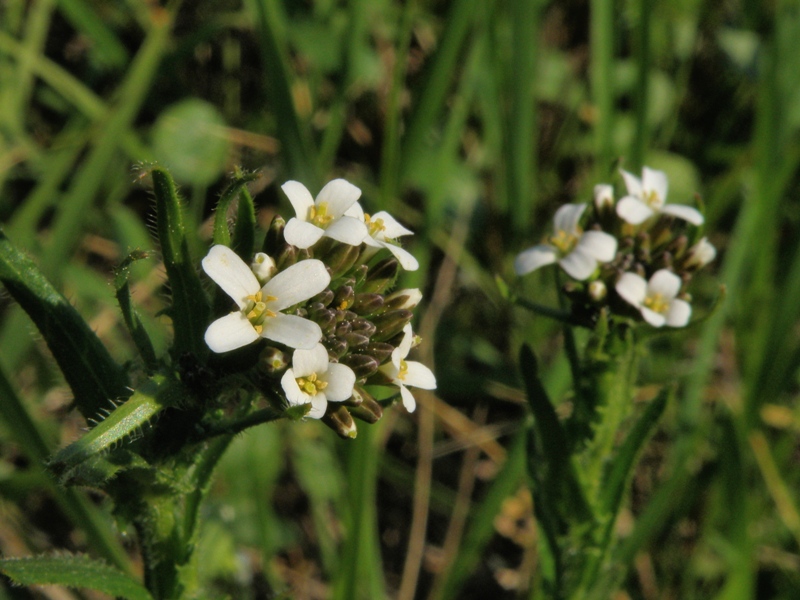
<point>634,256</point>
<point>341,328</point>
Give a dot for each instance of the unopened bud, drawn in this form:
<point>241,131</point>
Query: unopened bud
<point>272,360</point>
<point>381,276</point>
<point>336,347</point>
<point>699,255</point>
<point>339,258</point>
<point>597,290</point>
<point>367,304</point>
<point>274,242</point>
<point>325,297</point>
<point>603,198</point>
<point>390,324</point>
<point>340,421</point>
<point>356,340</point>
<point>343,328</point>
<point>407,299</point>
<point>368,410</point>
<point>359,275</point>
<point>363,365</point>
<point>381,351</point>
<point>263,267</point>
<point>286,257</point>
<point>325,318</point>
<point>344,297</point>
<point>363,327</point>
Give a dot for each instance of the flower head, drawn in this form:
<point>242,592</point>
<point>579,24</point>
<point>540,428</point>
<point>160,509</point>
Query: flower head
<point>656,299</point>
<point>577,251</point>
<point>647,197</point>
<point>323,216</point>
<point>404,372</point>
<point>259,307</point>
<point>314,380</point>
<point>382,232</point>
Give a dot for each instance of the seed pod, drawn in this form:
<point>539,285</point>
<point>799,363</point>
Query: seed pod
<point>367,304</point>
<point>363,366</point>
<point>338,419</point>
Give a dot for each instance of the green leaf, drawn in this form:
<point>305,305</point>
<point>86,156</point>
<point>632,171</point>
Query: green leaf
<point>244,232</point>
<point>90,371</point>
<point>73,571</point>
<point>129,314</point>
<point>222,234</point>
<point>124,422</point>
<point>190,308</point>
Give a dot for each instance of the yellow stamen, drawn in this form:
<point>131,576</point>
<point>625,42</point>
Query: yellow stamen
<point>311,384</point>
<point>651,199</point>
<point>318,215</point>
<point>403,372</point>
<point>657,303</point>
<point>256,310</point>
<point>564,240</point>
<point>375,227</point>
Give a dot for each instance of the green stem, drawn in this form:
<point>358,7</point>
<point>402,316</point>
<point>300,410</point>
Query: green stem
<point>602,64</point>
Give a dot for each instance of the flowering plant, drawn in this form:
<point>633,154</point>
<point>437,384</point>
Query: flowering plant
<point>304,326</point>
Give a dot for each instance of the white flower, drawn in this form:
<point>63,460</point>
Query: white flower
<point>324,216</point>
<point>603,196</point>
<point>656,299</point>
<point>404,372</point>
<point>312,379</point>
<point>647,197</point>
<point>699,255</point>
<point>263,267</point>
<point>259,307</point>
<point>577,251</point>
<point>382,232</point>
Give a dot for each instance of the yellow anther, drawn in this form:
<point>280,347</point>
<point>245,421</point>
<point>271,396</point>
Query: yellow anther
<point>651,199</point>
<point>258,328</point>
<point>375,226</point>
<point>564,241</point>
<point>403,372</point>
<point>657,303</point>
<point>310,384</point>
<point>318,215</point>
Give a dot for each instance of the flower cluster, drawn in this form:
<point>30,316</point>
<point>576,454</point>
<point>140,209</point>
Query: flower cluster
<point>637,246</point>
<point>318,294</point>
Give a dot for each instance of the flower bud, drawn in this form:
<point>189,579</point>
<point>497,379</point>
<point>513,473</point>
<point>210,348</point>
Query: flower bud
<point>597,290</point>
<point>699,255</point>
<point>363,327</point>
<point>366,304</point>
<point>359,275</point>
<point>340,421</point>
<point>380,351</point>
<point>340,258</point>
<point>603,198</point>
<point>381,275</point>
<point>356,340</point>
<point>263,267</point>
<point>325,318</point>
<point>344,297</point>
<point>407,299</point>
<point>272,360</point>
<point>274,242</point>
<point>368,410</point>
<point>343,328</point>
<point>286,257</point>
<point>325,297</point>
<point>363,365</point>
<point>390,323</point>
<point>336,347</point>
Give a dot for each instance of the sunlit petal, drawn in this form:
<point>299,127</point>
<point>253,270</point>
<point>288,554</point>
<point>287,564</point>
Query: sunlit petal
<point>418,375</point>
<point>633,211</point>
<point>409,402</point>
<point>347,230</point>
<point>655,319</point>
<point>302,234</point>
<point>654,181</point>
<point>230,332</point>
<point>340,379</point>
<point>664,282</point>
<point>306,362</point>
<point>299,282</point>
<point>230,273</point>
<point>339,195</point>
<point>294,331</point>
<point>533,258</point>
<point>679,313</point>
<point>405,258</point>
<point>300,197</point>
<point>687,213</point>
<point>578,264</point>
<point>598,244</point>
<point>632,288</point>
<point>392,228</point>
<point>568,216</point>
<point>632,183</point>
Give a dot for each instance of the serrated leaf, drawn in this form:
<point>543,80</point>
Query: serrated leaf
<point>79,572</point>
<point>87,366</point>
<point>123,422</point>
<point>190,308</point>
<point>130,315</point>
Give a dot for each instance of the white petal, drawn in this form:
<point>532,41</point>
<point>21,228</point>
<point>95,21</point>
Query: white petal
<point>390,369</point>
<point>655,181</point>
<point>418,375</point>
<point>664,282</point>
<point>687,213</point>
<point>230,332</point>
<point>300,197</point>
<point>294,394</point>
<point>319,404</point>
<point>603,195</point>
<point>533,258</point>
<point>230,273</point>
<point>291,330</point>
<point>598,244</point>
<point>347,230</point>
<point>392,229</point>
<point>633,211</point>
<point>632,288</point>
<point>405,258</point>
<point>339,195</point>
<point>301,234</point>
<point>578,264</point>
<point>568,216</point>
<point>297,283</point>
<point>632,183</point>
<point>355,211</point>
<point>306,362</point>
<point>401,351</point>
<point>408,399</point>
<point>655,319</point>
<point>679,313</point>
<point>341,380</point>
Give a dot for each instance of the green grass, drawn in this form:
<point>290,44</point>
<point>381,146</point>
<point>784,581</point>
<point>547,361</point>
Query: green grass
<point>471,122</point>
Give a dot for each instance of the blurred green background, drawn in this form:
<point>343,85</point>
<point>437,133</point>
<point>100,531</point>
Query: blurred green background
<point>471,121</point>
